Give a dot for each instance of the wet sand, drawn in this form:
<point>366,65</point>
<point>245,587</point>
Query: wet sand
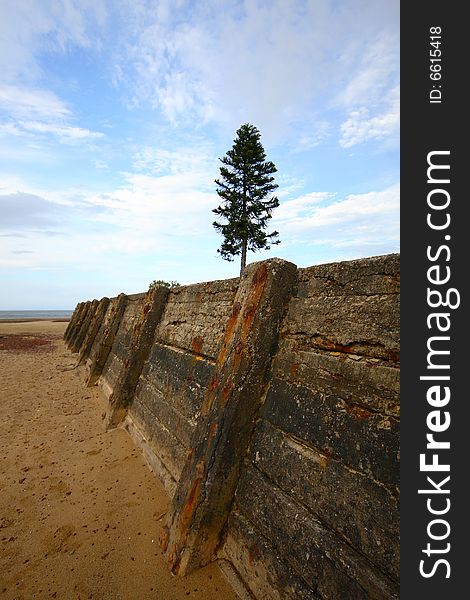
<point>80,511</point>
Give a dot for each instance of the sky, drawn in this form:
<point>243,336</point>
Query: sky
<point>114,115</point>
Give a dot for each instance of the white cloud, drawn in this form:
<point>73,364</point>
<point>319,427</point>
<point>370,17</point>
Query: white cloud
<point>371,96</point>
<point>227,62</point>
<point>189,158</point>
<point>317,132</point>
<point>65,132</point>
<point>358,219</point>
<point>361,126</point>
<point>30,34</point>
<point>12,184</point>
<point>165,216</point>
<point>158,206</point>
<point>28,27</point>
<point>257,61</point>
<point>297,68</point>
<point>162,208</point>
<point>101,165</point>
<point>45,113</point>
<point>10,129</point>
<point>300,207</point>
<point>27,102</point>
<point>376,73</point>
<point>168,212</point>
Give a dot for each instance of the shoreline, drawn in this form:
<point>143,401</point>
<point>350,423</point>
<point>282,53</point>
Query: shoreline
<point>33,319</point>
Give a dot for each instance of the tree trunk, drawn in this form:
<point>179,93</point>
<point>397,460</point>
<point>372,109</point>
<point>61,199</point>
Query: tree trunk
<point>243,261</point>
<point>245,240</point>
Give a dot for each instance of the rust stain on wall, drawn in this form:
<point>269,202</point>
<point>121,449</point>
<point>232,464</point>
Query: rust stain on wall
<point>192,498</point>
<point>229,332</point>
<point>258,281</point>
<point>213,429</point>
<point>226,393</point>
<point>358,411</point>
<point>294,368</point>
<point>253,553</point>
<point>164,537</point>
<point>196,344</point>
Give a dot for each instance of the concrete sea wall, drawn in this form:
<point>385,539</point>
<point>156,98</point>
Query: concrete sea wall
<point>269,408</point>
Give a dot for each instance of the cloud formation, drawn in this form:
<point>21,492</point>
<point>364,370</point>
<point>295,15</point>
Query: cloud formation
<point>25,102</point>
<point>262,62</point>
<point>356,220</point>
<point>212,62</point>
<point>22,211</point>
<point>28,27</point>
<point>361,126</point>
<point>113,115</point>
<point>40,111</point>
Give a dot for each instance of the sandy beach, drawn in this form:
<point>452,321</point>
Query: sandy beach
<point>80,510</point>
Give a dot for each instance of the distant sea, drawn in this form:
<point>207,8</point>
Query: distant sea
<point>35,314</point>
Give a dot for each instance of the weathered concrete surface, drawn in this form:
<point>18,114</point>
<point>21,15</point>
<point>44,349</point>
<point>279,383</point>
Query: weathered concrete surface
<point>161,408</point>
<point>368,382</point>
<point>206,487</point>
<point>79,339</point>
<point>270,410</point>
<point>175,378</point>
<point>71,323</point>
<point>104,339</point>
<point>363,440</point>
<point>164,443</point>
<point>362,511</point>
<point>78,325</point>
<point>322,476</point>
<point>179,378</point>
<point>195,316</point>
<point>72,327</point>
<point>315,553</point>
<point>267,576</point>
<point>120,353</point>
<point>93,329</point>
<point>167,404</point>
<point>143,334</point>
<point>353,307</point>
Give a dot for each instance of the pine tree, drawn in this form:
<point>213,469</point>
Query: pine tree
<point>245,186</point>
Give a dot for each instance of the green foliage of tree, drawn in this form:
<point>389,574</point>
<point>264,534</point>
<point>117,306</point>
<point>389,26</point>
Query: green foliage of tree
<point>245,186</point>
<point>158,282</point>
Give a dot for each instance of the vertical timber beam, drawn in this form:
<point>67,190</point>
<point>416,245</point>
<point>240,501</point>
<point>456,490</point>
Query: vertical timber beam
<point>101,355</point>
<point>205,491</point>
<point>93,330</point>
<point>78,327</point>
<point>142,341</point>
<point>77,344</point>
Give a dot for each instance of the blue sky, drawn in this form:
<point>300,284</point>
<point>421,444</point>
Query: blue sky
<point>113,115</point>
